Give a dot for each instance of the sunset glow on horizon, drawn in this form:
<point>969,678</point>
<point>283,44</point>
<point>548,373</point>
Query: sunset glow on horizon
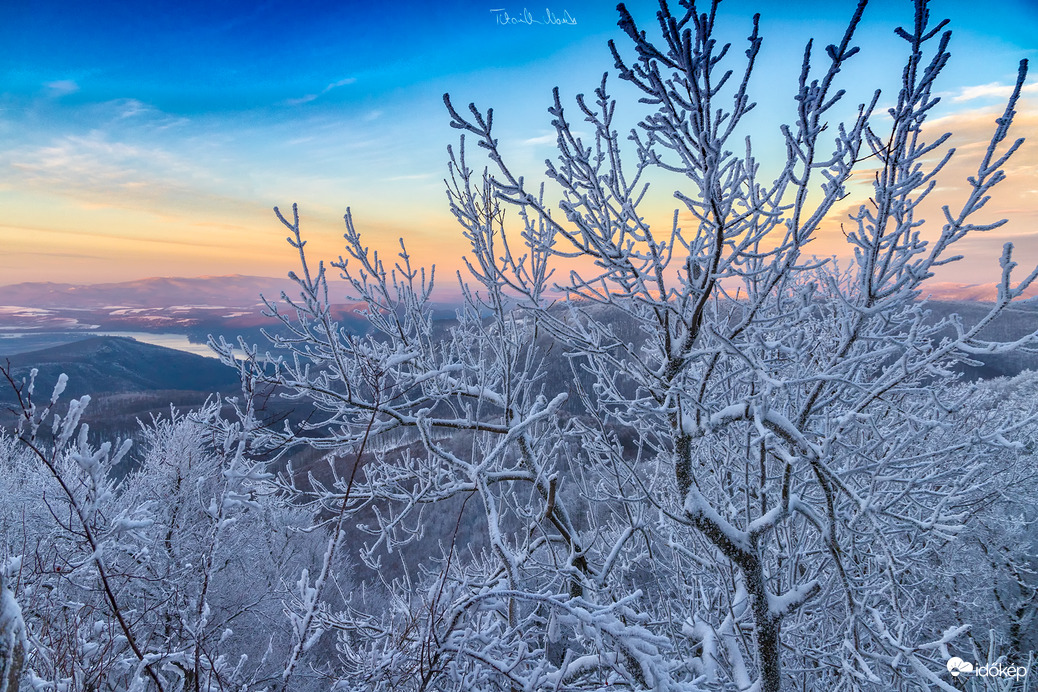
<point>153,139</point>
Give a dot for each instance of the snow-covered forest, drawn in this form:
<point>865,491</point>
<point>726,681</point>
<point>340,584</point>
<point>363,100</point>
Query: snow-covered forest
<point>690,456</point>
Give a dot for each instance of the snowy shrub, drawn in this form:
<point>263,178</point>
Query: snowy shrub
<point>991,567</point>
<point>173,579</point>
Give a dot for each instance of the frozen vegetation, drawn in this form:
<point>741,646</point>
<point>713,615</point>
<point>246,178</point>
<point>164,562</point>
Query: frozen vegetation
<point>697,458</point>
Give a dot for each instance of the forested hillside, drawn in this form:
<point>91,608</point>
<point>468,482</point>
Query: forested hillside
<point>126,380</point>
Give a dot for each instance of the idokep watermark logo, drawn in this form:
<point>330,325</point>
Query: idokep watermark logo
<point>998,669</point>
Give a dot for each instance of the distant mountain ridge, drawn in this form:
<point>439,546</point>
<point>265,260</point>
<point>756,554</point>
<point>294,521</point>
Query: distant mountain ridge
<point>228,291</point>
<point>126,379</point>
<point>196,306</point>
<point>118,364</point>
<point>239,290</point>
<point>982,293</point>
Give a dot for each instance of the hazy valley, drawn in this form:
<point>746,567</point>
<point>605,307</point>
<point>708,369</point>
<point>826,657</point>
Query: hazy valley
<point>138,347</point>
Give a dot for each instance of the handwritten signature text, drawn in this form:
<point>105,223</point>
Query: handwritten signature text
<point>502,18</point>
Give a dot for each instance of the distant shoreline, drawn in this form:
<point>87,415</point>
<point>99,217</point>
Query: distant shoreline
<point>26,341</point>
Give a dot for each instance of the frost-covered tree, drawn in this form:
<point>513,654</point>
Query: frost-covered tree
<point>990,571</point>
<point>696,457</point>
<point>164,570</point>
<point>13,643</point>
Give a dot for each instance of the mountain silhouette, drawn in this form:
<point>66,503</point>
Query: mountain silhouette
<point>119,364</point>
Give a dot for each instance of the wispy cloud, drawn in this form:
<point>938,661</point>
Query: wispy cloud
<point>61,87</point>
<point>341,82</point>
<point>990,90</point>
<point>97,169</point>
<point>46,237</point>
<point>543,139</point>
<point>131,107</point>
<point>301,100</point>
<point>313,97</point>
<point>1013,199</point>
<point>48,255</point>
<point>89,163</point>
<point>551,138</point>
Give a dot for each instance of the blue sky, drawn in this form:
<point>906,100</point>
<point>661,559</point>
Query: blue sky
<point>147,139</point>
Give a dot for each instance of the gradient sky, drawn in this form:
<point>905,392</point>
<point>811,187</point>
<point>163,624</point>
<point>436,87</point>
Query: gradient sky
<point>152,138</point>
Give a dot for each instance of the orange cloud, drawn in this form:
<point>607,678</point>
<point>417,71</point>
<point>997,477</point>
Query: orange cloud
<point>1014,199</point>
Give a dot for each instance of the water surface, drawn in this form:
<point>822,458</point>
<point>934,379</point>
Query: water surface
<point>14,342</point>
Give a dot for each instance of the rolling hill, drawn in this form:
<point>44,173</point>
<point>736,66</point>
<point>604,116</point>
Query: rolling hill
<point>125,379</point>
<point>118,364</point>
